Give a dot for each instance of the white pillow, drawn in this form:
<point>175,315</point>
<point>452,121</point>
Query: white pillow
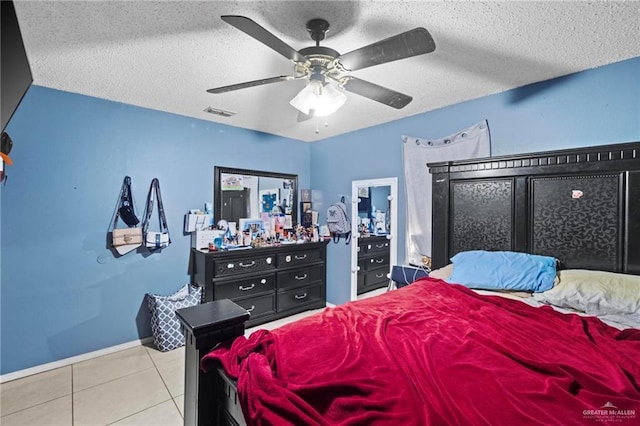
<point>594,292</point>
<point>442,273</point>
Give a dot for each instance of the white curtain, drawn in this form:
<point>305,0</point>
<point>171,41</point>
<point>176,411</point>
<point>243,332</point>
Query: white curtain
<point>473,142</point>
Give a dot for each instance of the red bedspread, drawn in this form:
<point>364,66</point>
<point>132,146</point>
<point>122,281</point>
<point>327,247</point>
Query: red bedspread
<point>437,354</point>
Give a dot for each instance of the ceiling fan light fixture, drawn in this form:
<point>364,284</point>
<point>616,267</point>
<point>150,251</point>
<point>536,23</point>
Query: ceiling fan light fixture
<point>323,99</point>
<point>330,100</point>
<point>307,98</point>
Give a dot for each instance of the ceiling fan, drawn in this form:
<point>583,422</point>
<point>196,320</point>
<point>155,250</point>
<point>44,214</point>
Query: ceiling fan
<point>329,72</point>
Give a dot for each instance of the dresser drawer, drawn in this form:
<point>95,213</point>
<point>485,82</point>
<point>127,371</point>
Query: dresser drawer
<point>292,299</point>
<point>244,265</point>
<point>300,277</point>
<point>299,257</point>
<point>375,278</point>
<point>376,262</point>
<point>245,287</point>
<point>379,245</point>
<point>254,278</point>
<point>259,305</point>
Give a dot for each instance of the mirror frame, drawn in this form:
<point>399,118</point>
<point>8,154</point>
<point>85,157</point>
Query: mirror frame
<point>392,236</point>
<point>217,200</point>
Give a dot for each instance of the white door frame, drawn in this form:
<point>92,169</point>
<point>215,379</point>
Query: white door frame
<point>392,183</point>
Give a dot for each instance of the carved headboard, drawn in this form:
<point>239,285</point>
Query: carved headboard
<point>581,206</point>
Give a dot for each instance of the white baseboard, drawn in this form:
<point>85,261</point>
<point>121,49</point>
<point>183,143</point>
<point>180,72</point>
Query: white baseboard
<point>79,358</point>
<point>72,360</point>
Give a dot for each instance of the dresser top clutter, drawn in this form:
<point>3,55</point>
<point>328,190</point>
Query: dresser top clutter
<point>250,247</point>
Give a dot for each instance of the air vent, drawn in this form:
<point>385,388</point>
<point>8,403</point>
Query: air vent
<point>220,112</point>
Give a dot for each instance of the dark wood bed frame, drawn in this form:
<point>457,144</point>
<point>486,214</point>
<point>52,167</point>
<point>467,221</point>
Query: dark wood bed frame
<point>581,206</point>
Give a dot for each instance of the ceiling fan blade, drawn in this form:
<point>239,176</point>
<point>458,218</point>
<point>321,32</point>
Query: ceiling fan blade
<point>251,28</point>
<point>377,93</point>
<point>253,83</point>
<point>414,42</point>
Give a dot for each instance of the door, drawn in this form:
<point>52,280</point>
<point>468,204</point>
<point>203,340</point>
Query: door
<point>374,214</point>
<point>235,204</point>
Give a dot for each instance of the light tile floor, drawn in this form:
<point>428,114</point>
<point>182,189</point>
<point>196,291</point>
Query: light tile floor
<point>137,386</point>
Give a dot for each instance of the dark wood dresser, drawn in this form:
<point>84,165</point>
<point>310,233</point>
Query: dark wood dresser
<point>373,261</point>
<point>269,282</point>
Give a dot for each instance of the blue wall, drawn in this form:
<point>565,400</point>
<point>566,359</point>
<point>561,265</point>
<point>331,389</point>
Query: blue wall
<point>62,291</point>
<point>594,107</point>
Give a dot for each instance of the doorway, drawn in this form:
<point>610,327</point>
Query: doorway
<point>235,204</point>
<point>374,249</point>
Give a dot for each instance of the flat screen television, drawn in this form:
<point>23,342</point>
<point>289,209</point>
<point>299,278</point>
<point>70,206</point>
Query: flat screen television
<point>16,74</point>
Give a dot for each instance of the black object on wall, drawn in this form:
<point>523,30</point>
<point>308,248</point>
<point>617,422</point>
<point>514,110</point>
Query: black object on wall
<point>16,77</point>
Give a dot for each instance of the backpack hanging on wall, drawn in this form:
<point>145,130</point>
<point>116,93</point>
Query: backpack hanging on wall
<point>338,221</point>
<point>155,240</point>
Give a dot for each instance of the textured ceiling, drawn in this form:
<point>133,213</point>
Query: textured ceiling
<point>165,55</point>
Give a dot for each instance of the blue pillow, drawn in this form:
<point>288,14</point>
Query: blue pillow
<point>503,270</point>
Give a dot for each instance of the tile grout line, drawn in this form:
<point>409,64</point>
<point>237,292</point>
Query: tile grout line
<point>163,382</point>
<point>146,408</point>
<point>137,412</point>
<point>43,368</point>
<point>2,415</point>
<point>33,406</point>
<point>173,399</point>
<point>73,391</point>
<point>115,378</point>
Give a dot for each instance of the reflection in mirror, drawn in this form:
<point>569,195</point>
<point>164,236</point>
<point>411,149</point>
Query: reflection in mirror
<point>374,216</point>
<point>240,193</point>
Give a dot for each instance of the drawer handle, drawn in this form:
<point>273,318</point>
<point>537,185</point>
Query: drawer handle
<point>379,275</point>
<point>247,265</point>
<point>304,277</point>
<point>300,297</point>
<point>379,260</point>
<point>301,257</point>
<point>380,245</point>
<point>251,308</point>
<point>246,288</point>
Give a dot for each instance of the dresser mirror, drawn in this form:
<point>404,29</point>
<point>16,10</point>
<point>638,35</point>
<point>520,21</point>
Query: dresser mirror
<point>240,193</point>
<point>374,217</point>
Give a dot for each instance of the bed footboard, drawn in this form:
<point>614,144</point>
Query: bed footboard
<point>205,326</point>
